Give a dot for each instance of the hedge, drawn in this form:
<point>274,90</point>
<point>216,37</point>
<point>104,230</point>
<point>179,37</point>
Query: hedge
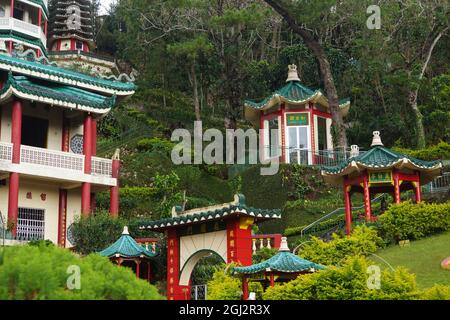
<point>414,221</point>
<point>44,272</point>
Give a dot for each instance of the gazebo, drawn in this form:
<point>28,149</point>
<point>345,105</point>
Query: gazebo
<point>379,170</point>
<point>285,266</point>
<point>127,252</point>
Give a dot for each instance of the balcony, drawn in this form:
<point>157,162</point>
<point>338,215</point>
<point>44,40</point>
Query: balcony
<point>56,164</point>
<point>24,28</point>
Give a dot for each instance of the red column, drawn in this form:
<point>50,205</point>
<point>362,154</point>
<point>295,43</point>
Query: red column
<point>10,47</point>
<point>12,8</point>
<point>397,198</point>
<point>46,28</point>
<point>149,268</point>
<point>418,190</point>
<point>245,288</point>
<point>62,218</point>
<point>65,143</point>
<point>138,263</point>
<point>94,137</point>
<point>174,290</point>
<point>283,134</point>
<point>87,151</point>
<point>272,280</point>
<point>367,202</point>
<point>16,139</point>
<point>348,210</point>
<point>114,191</point>
<point>313,132</point>
<point>39,17</point>
<point>239,238</point>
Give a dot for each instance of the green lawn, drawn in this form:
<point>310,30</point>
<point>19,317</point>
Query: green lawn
<point>422,257</point>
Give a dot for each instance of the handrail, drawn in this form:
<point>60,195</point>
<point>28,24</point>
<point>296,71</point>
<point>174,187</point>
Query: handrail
<point>327,216</point>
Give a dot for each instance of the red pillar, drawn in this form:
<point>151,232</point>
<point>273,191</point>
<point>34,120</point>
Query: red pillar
<point>397,198</point>
<point>87,150</point>
<point>272,280</point>
<point>16,139</point>
<point>239,238</point>
<point>12,8</point>
<point>174,290</point>
<point>245,288</point>
<point>418,190</point>
<point>39,17</point>
<point>149,272</point>
<point>62,218</point>
<point>46,28</point>
<point>283,134</point>
<point>65,143</point>
<point>114,191</point>
<point>138,263</point>
<point>348,210</point>
<point>367,202</point>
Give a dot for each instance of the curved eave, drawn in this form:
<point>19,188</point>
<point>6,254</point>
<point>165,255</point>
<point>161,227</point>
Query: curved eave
<point>13,91</point>
<point>336,177</point>
<point>121,255</point>
<point>63,80</point>
<point>253,110</point>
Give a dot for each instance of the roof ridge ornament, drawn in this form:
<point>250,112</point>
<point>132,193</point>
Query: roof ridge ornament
<point>377,139</point>
<point>125,231</point>
<point>284,245</point>
<point>354,151</point>
<point>293,73</point>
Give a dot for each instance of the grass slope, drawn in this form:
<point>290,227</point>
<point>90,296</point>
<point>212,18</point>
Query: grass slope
<point>423,258</point>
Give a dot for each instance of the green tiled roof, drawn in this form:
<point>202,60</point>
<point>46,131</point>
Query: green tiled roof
<point>57,74</point>
<point>213,213</point>
<point>61,94</point>
<point>22,37</point>
<point>284,261</point>
<point>380,157</point>
<point>126,247</point>
<point>293,92</point>
<point>42,5</point>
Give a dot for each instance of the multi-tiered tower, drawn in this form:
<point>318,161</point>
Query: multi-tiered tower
<point>49,171</point>
<point>23,26</point>
<point>71,26</point>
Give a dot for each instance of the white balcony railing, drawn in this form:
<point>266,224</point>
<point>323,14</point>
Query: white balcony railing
<point>52,158</point>
<point>6,151</point>
<point>23,27</point>
<point>101,167</point>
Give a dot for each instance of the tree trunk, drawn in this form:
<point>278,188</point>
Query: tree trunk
<point>325,70</point>
<point>198,116</point>
<point>420,130</point>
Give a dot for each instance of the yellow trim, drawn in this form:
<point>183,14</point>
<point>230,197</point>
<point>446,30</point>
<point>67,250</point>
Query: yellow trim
<point>245,222</point>
<point>371,182</point>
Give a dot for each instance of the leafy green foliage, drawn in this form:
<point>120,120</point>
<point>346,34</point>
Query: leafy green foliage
<point>438,292</point>
<point>348,282</point>
<point>224,287</point>
<point>414,221</point>
<point>363,241</point>
<point>264,254</point>
<point>96,232</point>
<point>41,273</point>
<point>441,151</point>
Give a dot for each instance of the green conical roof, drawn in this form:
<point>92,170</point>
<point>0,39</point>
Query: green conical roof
<point>126,247</point>
<point>284,261</point>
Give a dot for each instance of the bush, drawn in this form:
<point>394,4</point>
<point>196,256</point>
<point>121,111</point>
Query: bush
<point>438,292</point>
<point>224,287</point>
<point>155,145</point>
<point>95,233</point>
<point>414,221</point>
<point>363,241</point>
<point>42,273</point>
<point>441,151</point>
<point>348,282</point>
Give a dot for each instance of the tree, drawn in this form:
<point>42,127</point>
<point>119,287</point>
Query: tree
<point>313,44</point>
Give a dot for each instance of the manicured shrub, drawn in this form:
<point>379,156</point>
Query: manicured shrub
<point>95,233</point>
<point>363,241</point>
<point>349,282</point>
<point>224,287</point>
<point>438,292</point>
<point>414,221</point>
<point>44,272</point>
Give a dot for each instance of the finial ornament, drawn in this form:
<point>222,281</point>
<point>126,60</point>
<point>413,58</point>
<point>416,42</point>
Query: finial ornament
<point>284,245</point>
<point>376,139</point>
<point>125,231</point>
<point>354,151</point>
<point>293,73</point>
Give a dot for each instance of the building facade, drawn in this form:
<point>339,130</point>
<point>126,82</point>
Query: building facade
<point>49,171</point>
<point>296,123</point>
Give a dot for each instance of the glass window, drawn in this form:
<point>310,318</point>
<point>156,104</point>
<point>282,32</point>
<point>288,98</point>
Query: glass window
<point>2,11</point>
<point>79,45</point>
<point>274,138</point>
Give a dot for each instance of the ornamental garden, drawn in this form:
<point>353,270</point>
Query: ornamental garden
<point>321,198</point>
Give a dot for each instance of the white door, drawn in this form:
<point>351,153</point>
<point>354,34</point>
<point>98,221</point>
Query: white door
<point>299,148</point>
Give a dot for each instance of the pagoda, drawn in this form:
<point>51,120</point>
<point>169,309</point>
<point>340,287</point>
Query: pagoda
<point>127,252</point>
<point>282,267</point>
<point>379,170</point>
<point>49,168</point>
<point>296,123</point>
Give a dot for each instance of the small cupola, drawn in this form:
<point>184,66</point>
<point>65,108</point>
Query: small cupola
<point>376,142</point>
<point>293,73</point>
